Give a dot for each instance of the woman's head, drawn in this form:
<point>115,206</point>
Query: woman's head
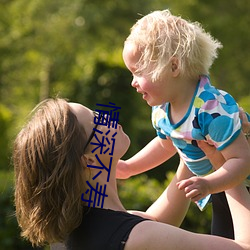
<point>50,166</point>
<point>86,118</point>
<point>161,36</point>
<point>49,172</point>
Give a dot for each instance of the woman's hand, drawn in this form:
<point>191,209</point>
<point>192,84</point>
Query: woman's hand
<point>245,124</point>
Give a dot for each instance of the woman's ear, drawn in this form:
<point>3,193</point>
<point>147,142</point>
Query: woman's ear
<point>175,66</point>
<point>89,159</point>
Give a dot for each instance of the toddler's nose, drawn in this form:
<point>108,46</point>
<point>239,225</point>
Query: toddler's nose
<point>134,83</point>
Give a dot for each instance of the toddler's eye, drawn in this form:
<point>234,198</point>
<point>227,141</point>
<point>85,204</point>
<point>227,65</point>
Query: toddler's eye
<point>137,73</point>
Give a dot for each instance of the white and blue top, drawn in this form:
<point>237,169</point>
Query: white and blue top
<point>213,115</point>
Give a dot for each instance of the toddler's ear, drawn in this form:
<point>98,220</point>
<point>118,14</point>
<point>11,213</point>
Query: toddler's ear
<point>175,66</point>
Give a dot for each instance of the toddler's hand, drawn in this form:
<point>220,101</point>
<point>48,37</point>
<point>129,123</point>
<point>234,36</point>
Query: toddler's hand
<point>122,171</point>
<point>194,187</point>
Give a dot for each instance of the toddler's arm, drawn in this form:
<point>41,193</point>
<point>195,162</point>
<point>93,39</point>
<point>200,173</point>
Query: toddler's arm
<point>234,171</point>
<point>153,154</point>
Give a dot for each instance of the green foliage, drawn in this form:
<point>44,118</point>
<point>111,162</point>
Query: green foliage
<point>197,221</point>
<point>245,103</point>
<point>139,192</point>
<point>9,231</point>
<point>228,22</point>
<point>73,48</point>
<point>5,124</point>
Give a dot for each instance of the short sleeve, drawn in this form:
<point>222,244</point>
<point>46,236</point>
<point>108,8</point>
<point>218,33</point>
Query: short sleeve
<point>159,121</point>
<point>162,136</point>
<point>219,120</point>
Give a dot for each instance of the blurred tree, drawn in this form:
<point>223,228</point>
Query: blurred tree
<point>244,102</point>
<point>5,123</point>
<point>228,22</point>
<point>10,238</point>
<point>72,48</point>
<point>51,47</point>
<point>139,192</point>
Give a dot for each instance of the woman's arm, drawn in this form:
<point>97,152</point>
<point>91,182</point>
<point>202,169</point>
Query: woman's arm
<point>160,236</point>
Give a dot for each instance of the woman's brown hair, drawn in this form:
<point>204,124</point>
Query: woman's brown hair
<point>49,173</point>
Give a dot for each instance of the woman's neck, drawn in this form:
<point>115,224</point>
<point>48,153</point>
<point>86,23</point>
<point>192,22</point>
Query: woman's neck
<point>111,200</point>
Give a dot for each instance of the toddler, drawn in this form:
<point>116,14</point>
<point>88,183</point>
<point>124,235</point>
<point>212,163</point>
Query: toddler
<point>170,59</point>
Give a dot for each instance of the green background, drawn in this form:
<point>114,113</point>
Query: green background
<point>72,48</point>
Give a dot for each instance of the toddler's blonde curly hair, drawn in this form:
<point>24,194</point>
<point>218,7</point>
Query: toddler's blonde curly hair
<point>161,36</point>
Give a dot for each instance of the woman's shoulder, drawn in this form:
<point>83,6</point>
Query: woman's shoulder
<point>102,229</point>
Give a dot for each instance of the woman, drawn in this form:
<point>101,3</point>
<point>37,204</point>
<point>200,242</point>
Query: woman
<point>52,155</point>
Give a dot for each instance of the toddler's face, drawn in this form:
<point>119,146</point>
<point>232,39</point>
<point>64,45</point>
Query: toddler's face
<point>152,92</point>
